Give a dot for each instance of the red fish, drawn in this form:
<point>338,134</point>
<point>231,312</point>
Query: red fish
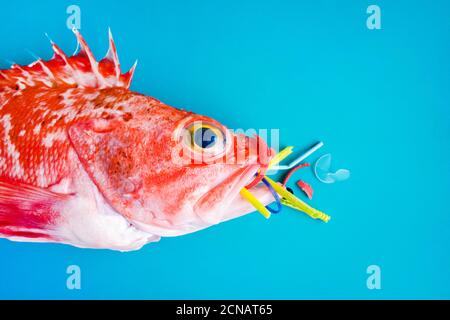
<point>87,162</point>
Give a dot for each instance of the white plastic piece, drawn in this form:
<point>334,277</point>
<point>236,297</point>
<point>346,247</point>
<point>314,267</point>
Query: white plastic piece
<point>299,159</point>
<point>323,173</point>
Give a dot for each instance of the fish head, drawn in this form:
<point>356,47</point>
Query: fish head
<point>167,170</point>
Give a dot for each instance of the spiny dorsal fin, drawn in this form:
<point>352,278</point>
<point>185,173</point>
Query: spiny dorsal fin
<point>80,70</point>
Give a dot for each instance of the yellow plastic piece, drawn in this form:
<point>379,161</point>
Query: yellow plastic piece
<point>288,199</point>
<point>292,201</point>
<point>255,202</point>
<point>280,156</point>
<point>251,198</point>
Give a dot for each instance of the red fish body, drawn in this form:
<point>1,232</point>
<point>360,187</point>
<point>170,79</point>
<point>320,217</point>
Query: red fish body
<point>85,161</point>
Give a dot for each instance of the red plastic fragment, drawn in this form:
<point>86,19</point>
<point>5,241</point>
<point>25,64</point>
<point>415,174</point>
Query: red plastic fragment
<point>306,188</point>
<point>288,176</point>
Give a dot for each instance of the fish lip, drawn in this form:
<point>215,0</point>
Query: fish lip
<point>240,182</point>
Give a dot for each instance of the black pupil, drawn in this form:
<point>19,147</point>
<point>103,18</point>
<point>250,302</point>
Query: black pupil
<point>205,138</point>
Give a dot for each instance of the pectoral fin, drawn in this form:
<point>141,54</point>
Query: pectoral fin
<point>27,211</point>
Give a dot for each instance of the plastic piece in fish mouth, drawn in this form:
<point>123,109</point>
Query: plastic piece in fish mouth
<point>325,175</point>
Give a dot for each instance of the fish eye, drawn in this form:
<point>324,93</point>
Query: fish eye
<point>206,137</point>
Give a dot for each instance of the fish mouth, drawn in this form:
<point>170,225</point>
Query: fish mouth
<point>223,202</point>
<point>232,204</point>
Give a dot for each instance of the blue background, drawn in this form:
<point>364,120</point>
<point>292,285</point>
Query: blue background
<point>379,99</point>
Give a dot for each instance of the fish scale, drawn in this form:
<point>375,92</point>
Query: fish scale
<point>34,148</point>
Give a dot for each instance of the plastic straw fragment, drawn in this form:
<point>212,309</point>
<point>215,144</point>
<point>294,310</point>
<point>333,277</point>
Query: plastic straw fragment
<point>255,202</point>
<point>280,156</point>
<point>299,159</point>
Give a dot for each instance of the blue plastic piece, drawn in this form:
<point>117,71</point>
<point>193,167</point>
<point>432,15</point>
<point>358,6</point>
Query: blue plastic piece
<point>276,197</point>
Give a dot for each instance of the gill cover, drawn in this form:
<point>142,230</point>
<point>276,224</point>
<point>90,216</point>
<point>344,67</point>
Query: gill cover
<point>107,154</point>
